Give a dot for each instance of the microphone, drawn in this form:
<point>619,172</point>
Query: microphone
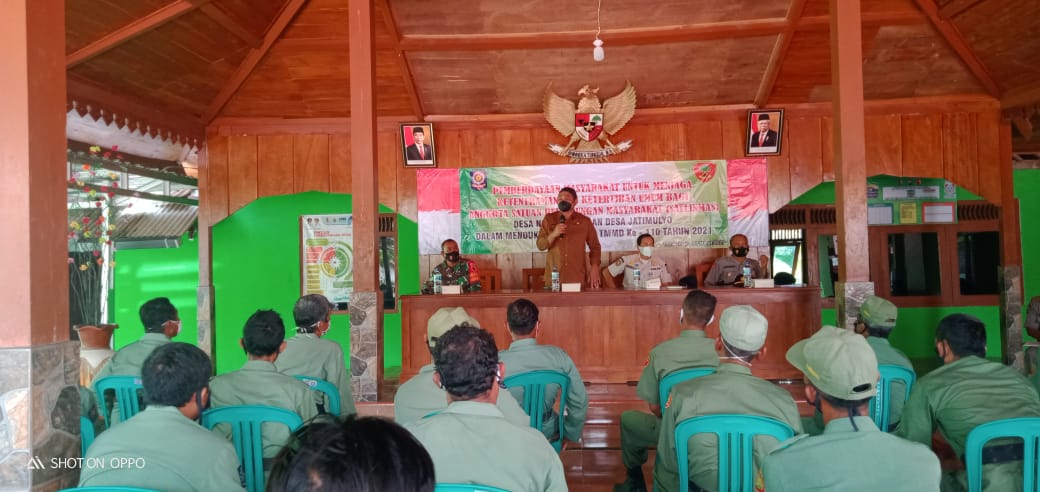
<point>563,220</point>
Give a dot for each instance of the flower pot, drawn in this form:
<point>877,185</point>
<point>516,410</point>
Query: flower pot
<point>95,350</point>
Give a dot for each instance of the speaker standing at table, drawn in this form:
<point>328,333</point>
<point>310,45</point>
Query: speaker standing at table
<point>565,234</point>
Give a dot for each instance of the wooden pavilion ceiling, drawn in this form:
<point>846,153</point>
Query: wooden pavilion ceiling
<point>197,60</point>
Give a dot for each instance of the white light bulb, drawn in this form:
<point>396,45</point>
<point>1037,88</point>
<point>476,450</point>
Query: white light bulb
<point>597,52</point>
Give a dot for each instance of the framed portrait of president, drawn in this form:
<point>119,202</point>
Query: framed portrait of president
<point>765,132</point>
<point>417,145</point>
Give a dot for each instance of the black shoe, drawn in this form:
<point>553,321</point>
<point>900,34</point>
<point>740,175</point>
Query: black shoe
<point>635,477</point>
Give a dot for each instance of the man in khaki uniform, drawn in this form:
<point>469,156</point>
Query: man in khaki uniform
<point>258,382</point>
<point>852,453</point>
<point>966,392</point>
<point>163,448</point>
<point>420,396</point>
<point>471,441</point>
<point>640,430</point>
<point>307,354</point>
<point>731,390</point>
<point>525,355</point>
<point>161,323</point>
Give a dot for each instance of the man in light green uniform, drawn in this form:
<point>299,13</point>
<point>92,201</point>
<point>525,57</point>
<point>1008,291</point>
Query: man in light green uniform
<point>525,355</point>
<point>161,323</point>
<point>307,354</point>
<point>852,454</point>
<point>163,448</point>
<point>640,430</point>
<point>731,390</point>
<point>420,396</point>
<point>258,382</point>
<point>968,391</point>
<point>471,441</point>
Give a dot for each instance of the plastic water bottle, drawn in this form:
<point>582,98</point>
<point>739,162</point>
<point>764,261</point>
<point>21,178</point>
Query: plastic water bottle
<point>637,279</point>
<point>746,270</point>
<point>555,279</point>
<point>437,282</point>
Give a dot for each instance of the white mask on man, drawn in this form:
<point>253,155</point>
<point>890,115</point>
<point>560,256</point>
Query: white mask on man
<point>646,251</point>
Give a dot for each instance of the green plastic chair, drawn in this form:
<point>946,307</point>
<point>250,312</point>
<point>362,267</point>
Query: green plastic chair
<point>126,389</point>
<point>246,422</point>
<point>465,487</point>
<point>535,384</point>
<point>328,389</point>
<point>880,408</point>
<point>675,377</point>
<point>105,488</point>
<point>86,434</point>
<point>1027,428</point>
<point>736,457</point>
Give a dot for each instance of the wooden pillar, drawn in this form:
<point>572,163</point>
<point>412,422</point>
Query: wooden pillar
<point>1010,257</point>
<point>41,411</point>
<point>366,301</point>
<point>850,161</point>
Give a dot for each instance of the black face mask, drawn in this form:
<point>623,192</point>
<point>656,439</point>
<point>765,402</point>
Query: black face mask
<point>741,252</point>
<point>452,257</point>
<point>564,206</point>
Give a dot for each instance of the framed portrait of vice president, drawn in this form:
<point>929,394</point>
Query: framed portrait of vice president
<point>417,145</point>
<point>765,131</point>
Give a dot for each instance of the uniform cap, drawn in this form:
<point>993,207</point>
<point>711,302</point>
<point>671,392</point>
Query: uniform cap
<point>837,362</point>
<point>744,328</point>
<point>445,319</point>
<point>878,312</point>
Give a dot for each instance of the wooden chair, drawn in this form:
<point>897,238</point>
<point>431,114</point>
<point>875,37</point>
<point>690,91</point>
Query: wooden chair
<point>701,271</point>
<point>490,279</point>
<point>534,278</point>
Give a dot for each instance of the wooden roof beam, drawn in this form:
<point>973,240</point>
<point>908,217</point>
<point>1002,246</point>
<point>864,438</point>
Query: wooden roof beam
<point>232,25</point>
<point>1023,95</point>
<point>953,8</point>
<point>953,37</point>
<point>402,60</point>
<point>253,59</point>
<point>776,59</point>
<point>140,26</point>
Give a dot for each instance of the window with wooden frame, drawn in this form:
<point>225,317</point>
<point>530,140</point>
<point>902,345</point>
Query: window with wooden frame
<point>386,236</point>
<point>911,265</point>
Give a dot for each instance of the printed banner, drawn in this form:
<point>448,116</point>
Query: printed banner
<point>327,256</point>
<point>893,200</point>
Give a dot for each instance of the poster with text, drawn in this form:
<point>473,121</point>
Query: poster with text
<point>327,256</point>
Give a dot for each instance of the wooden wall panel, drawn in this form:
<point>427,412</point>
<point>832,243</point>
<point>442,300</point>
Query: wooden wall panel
<point>310,163</point>
<point>217,179</point>
<point>960,154</point>
<point>390,163</point>
<point>471,153</point>
<point>664,142</point>
<point>242,164</point>
<point>827,149</point>
<point>883,142</point>
<point>447,148</point>
<point>340,177</point>
<point>275,165</point>
<point>513,147</point>
<point>989,161</point>
<point>779,181</point>
<point>704,140</point>
<point>642,137</point>
<point>922,149</point>
<point>805,150</point>
<point>734,138</point>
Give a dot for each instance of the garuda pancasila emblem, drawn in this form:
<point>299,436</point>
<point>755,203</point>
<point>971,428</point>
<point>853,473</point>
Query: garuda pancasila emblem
<point>589,124</point>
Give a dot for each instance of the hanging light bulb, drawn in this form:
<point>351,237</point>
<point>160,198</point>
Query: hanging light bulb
<point>597,52</point>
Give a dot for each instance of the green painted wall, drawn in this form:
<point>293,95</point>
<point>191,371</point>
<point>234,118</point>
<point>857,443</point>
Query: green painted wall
<point>823,194</point>
<point>256,265</point>
<point>915,328</point>
<point>143,274</point>
<point>1027,182</point>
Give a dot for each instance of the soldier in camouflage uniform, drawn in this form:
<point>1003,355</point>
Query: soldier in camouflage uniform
<point>455,270</point>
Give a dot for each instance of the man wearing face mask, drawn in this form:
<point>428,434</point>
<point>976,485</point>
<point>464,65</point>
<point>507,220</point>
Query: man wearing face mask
<point>728,269</point>
<point>454,270</point>
<point>649,267</point>
<point>308,354</point>
<point>565,234</point>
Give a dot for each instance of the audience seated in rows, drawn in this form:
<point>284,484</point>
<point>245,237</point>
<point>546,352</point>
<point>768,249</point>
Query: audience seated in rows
<point>308,354</point>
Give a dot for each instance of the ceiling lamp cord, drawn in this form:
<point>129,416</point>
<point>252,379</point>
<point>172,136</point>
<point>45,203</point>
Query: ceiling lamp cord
<point>597,52</point>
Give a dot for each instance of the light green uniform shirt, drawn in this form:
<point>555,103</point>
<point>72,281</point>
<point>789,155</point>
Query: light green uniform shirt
<point>419,397</point>
<point>128,361</point>
<point>731,390</point>
<point>888,355</point>
<point>306,354</point>
<point>472,442</point>
<point>259,383</point>
<point>962,395</point>
<point>843,459</point>
<point>690,349</point>
<point>527,355</point>
<point>163,450</point>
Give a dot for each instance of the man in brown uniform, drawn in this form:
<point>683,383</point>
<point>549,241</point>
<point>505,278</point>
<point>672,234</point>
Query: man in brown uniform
<point>565,234</point>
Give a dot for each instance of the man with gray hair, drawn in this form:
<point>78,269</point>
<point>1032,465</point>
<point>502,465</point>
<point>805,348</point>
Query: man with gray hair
<point>308,354</point>
<point>419,396</point>
<point>732,389</point>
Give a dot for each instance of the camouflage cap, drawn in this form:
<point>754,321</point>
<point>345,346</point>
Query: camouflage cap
<point>837,362</point>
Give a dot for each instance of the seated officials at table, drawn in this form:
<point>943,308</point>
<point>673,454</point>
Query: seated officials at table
<point>454,270</point>
<point>649,268</point>
<point>727,270</point>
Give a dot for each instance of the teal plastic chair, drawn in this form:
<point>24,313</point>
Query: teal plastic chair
<point>880,408</point>
<point>126,389</point>
<point>535,384</point>
<point>675,377</point>
<point>104,488</point>
<point>330,390</point>
<point>86,434</point>
<point>465,487</point>
<point>246,422</point>
<point>736,434</point>
<point>1027,429</point>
